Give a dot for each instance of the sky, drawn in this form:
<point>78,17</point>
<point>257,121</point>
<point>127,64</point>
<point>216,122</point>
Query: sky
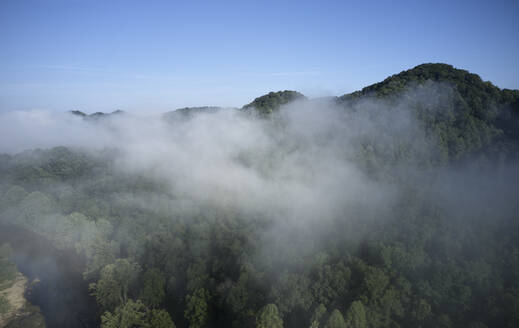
<point>151,55</point>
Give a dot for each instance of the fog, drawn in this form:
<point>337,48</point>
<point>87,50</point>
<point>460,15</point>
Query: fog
<point>316,172</point>
<point>311,160</point>
<point>300,164</point>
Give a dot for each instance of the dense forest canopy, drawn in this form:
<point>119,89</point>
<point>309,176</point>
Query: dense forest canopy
<point>474,114</point>
<point>393,206</point>
<point>271,102</point>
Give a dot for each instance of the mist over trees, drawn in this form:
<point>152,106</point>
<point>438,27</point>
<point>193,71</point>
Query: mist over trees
<point>393,206</point>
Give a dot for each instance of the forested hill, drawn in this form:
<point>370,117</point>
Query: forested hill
<point>468,84</point>
<point>462,114</point>
<point>334,213</point>
<point>272,101</point>
<point>480,110</point>
<point>460,111</point>
<point>465,114</point>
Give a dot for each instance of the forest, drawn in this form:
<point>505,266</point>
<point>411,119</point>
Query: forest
<point>393,206</point>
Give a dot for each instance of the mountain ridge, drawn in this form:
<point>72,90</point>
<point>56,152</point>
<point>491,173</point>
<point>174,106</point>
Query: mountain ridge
<point>438,72</point>
<point>466,115</point>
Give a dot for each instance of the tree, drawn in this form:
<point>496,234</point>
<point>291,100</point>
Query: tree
<point>291,291</point>
<point>330,282</point>
<point>269,317</point>
<point>112,288</point>
<point>196,310</point>
<point>272,101</point>
<point>160,319</point>
<point>317,317</point>
<point>135,314</point>
<point>375,282</point>
<point>356,315</point>
<point>99,252</point>
<point>421,310</point>
<point>335,320</point>
<point>153,290</point>
<point>131,314</point>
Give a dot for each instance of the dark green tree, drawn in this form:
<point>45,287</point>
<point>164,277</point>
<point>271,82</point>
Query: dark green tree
<point>160,319</point>
<point>356,315</point>
<point>272,101</point>
<point>268,317</point>
<point>317,316</point>
<point>114,283</point>
<point>153,288</point>
<point>197,309</point>
<point>131,314</point>
<point>336,320</point>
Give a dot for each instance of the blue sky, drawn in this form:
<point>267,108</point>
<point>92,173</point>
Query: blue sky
<point>160,55</point>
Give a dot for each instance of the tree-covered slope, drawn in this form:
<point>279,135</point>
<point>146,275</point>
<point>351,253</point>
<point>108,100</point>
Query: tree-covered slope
<point>273,100</point>
<point>468,84</point>
<point>362,211</point>
<point>462,112</point>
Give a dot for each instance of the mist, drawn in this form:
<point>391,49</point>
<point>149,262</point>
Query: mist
<point>311,161</point>
<point>300,164</point>
<point>311,171</point>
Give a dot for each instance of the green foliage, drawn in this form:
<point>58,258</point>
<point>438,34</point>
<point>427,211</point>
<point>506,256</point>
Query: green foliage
<point>42,167</point>
<point>134,314</point>
<point>375,283</point>
<point>459,111</point>
<point>272,101</point>
<point>330,281</point>
<point>197,309</point>
<point>335,320</point>
<point>356,315</point>
<point>268,317</point>
<point>292,291</point>
<point>414,264</point>
<point>160,319</point>
<point>113,286</point>
<point>412,271</point>
<point>153,288</point>
<point>100,253</point>
<point>317,318</point>
<point>129,315</point>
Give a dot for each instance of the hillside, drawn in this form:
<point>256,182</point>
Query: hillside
<point>393,206</point>
<point>271,102</point>
<point>474,115</point>
<point>460,112</point>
